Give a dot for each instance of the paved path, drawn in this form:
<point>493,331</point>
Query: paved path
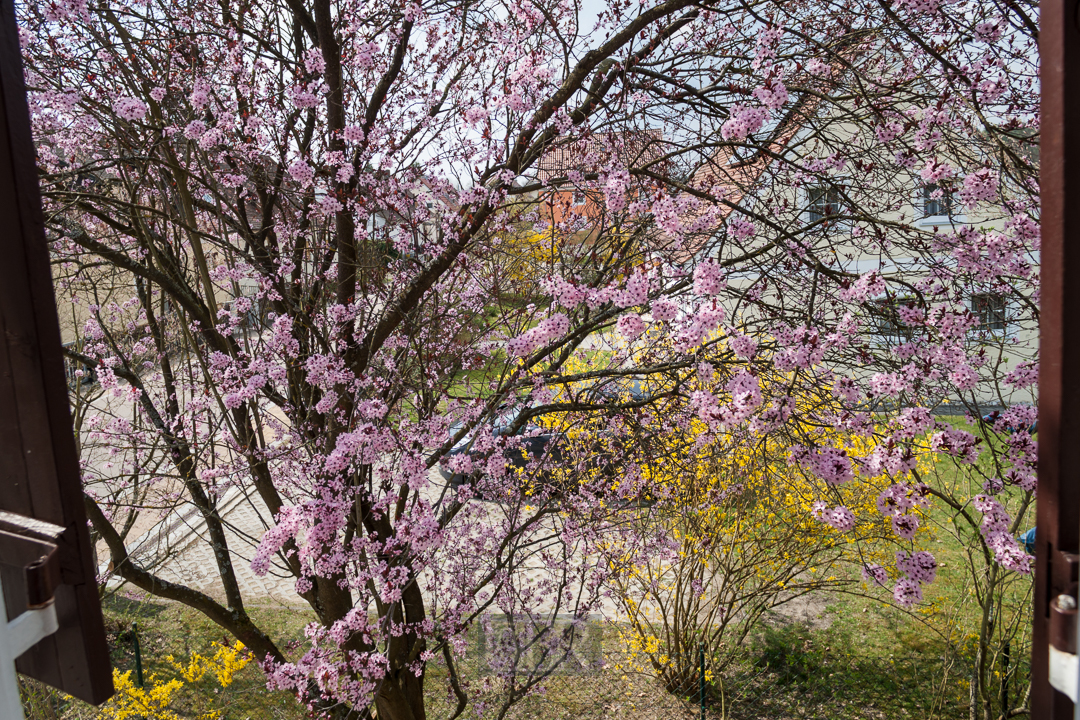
<point>179,551</point>
<point>188,559</point>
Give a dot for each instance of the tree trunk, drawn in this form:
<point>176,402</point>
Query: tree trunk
<point>402,697</point>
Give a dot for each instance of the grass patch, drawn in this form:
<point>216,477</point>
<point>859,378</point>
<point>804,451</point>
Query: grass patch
<point>166,629</point>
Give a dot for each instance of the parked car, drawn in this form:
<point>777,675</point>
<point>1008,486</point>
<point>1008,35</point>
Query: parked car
<point>534,444</point>
<point>992,417</point>
<point>536,440</point>
<point>78,374</point>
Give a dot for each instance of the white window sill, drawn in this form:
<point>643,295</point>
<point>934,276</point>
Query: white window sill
<point>941,221</point>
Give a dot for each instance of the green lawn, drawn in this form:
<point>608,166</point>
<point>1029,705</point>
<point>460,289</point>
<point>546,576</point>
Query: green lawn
<point>861,657</point>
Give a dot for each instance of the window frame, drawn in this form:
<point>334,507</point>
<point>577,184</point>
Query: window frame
<point>954,214</point>
<point>825,190</point>
<point>888,327</point>
<point>993,321</point>
<point>826,187</point>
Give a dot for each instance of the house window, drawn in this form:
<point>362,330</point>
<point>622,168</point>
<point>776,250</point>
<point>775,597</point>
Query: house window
<point>936,200</point>
<point>887,320</point>
<point>824,202</point>
<point>579,197</point>
<point>989,308</point>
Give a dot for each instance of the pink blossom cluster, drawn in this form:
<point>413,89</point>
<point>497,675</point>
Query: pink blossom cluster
<point>833,465</point>
<point>998,538</point>
<point>195,129</point>
<point>840,517</point>
<point>919,6</point>
<point>745,393</point>
<point>598,297</point>
<point>936,170</point>
<point>304,96</point>
<point>958,443</point>
<point>130,108</point>
<point>993,89</point>
<point>1015,420</point>
<point>327,371</point>
<point>744,120</point>
<point>745,397</point>
<point>869,285</point>
<point>314,62</point>
<point>57,10</point>
<point>898,503</point>
<point>66,101</point>
<point>875,574</point>
<point>890,458</point>
<point>907,593</point>
<point>210,138</point>
<point>635,293</point>
<point>475,115</point>
<point>911,423</point>
<point>772,95</point>
<point>888,384</point>
<point>664,310</point>
<point>889,131</point>
<point>546,331</point>
<point>801,347</point>
<point>1025,229</point>
<point>564,292</point>
<point>740,228</point>
<point>281,341</point>
<point>302,173</point>
<point>200,94</point>
<point>327,207</point>
<point>744,346</point>
<point>709,278</point>
<point>919,568</point>
<point>818,67</point>
<point>615,187</point>
<point>845,389</point>
<point>988,31</point>
<point>630,326</point>
<point>668,216</point>
<point>366,53</point>
<point>905,526</point>
<point>768,40</point>
<point>928,132</point>
<point>981,185</point>
<point>363,446</point>
<point>699,325</point>
<point>952,323</point>
<point>911,315</point>
<point>286,527</point>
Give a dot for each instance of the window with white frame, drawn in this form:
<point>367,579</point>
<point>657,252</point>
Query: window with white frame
<point>989,308</point>
<point>885,313</point>
<point>935,200</point>
<point>823,202</point>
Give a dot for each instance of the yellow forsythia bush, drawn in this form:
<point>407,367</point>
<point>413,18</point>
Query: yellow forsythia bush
<point>741,517</point>
<point>156,701</point>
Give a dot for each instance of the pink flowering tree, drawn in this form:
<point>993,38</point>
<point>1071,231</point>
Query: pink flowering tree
<point>280,227</point>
